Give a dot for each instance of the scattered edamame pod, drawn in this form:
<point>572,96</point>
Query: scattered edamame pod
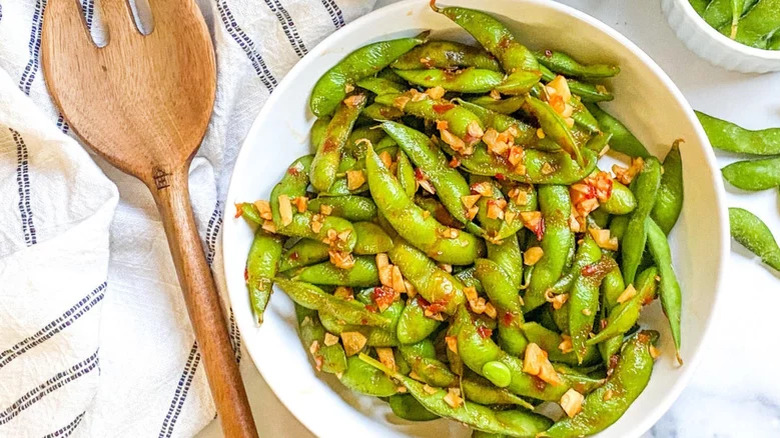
<point>752,233</point>
<point>729,137</point>
<point>753,175</point>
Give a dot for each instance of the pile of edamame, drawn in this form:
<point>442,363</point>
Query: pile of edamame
<point>754,23</point>
<point>751,175</point>
<point>452,246</point>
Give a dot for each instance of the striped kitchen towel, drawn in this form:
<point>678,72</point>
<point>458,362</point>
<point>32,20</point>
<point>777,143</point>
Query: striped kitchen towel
<point>94,336</point>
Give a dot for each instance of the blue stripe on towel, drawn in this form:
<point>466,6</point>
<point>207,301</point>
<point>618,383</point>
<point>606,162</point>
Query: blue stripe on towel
<point>28,75</point>
<point>288,26</point>
<point>335,13</point>
<point>23,182</point>
<point>68,429</point>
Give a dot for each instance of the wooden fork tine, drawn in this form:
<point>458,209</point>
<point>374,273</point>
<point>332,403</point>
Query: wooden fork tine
<point>118,17</point>
<point>69,25</point>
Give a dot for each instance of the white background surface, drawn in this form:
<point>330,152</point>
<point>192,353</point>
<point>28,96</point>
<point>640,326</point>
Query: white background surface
<point>736,392</point>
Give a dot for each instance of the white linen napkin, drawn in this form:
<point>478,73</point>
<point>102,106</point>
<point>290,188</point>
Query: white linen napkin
<point>94,336</point>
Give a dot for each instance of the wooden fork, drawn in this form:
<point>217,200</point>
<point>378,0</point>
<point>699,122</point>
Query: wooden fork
<point>143,103</point>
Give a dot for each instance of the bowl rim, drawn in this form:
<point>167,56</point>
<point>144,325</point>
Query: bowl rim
<point>649,418</point>
<point>722,40</point>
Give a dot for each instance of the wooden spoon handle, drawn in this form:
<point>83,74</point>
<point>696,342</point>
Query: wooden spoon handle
<point>170,191</point>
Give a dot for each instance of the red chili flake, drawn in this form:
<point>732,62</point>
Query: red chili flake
<point>507,318</point>
<point>371,308</point>
<point>442,108</point>
<point>603,324</point>
<point>613,361</point>
<point>548,53</point>
<point>589,270</point>
<point>500,176</point>
<point>539,383</point>
<point>246,274</point>
<point>504,42</point>
<point>383,297</point>
<point>294,255</point>
<point>539,230</point>
<point>422,301</point>
<point>239,210</point>
<point>418,173</point>
<point>454,162</point>
<point>484,332</point>
<point>329,145</point>
<point>293,171</point>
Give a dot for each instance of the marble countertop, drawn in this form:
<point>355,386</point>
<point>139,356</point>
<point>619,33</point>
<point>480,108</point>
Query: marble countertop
<point>735,392</point>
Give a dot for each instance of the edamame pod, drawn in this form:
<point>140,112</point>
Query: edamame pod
<point>556,243</point>
<point>405,174</point>
<point>366,379</point>
<point>407,407</point>
<point>586,91</point>
<point>446,55</point>
<point>371,239</point>
<point>380,86</point>
<point>729,137</point>
<point>622,200</point>
<point>504,296</point>
<point>261,267</point>
<point>550,341</point>
<point>439,288</point>
<point>470,80</point>
<point>328,358</point>
<point>331,88</point>
<point>413,325</point>
<point>480,390</point>
<point>421,358</point>
<point>623,140</point>
<point>326,161</point>
<point>584,296</point>
<point>635,237</point>
<point>668,204</point>
<point>505,106</point>
<point>317,132</point>
<point>606,404</point>
<point>554,126</point>
<point>458,118</point>
<point>752,175</point>
<point>669,288</point>
<point>526,134</point>
<point>752,233</point>
<point>442,243</point>
<point>350,207</point>
<point>362,274</point>
<point>562,63</point>
<point>304,253</point>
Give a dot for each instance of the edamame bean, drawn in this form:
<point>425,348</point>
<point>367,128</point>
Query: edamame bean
<point>407,407</point>
<point>622,200</point>
<point>497,373</point>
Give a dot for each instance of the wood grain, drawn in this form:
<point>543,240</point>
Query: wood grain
<point>143,102</point>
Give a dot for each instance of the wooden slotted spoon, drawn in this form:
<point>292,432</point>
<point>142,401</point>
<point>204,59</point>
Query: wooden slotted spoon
<point>143,103</point>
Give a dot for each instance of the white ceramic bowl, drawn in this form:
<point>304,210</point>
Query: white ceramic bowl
<point>713,46</point>
<point>647,101</point>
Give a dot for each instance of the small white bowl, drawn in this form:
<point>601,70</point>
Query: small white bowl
<point>718,49</point>
<point>647,101</point>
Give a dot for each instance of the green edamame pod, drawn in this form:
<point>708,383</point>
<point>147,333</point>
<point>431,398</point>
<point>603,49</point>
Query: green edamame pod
<point>480,390</point>
<point>586,91</point>
<point>562,63</point>
<point>375,336</point>
<point>328,358</point>
<point>509,258</point>
<point>583,300</point>
<point>502,106</point>
<point>470,80</point>
<point>442,243</point>
<point>617,226</point>
<point>407,407</point>
<point>729,137</point>
<point>326,162</point>
<point>611,288</point>
<point>293,184</point>
<point>550,341</point>
<point>317,133</point>
<point>582,117</point>
<point>623,140</point>
<point>353,146</point>
<point>380,86</point>
<point>437,210</point>
<point>557,241</point>
<point>405,174</point>
<point>476,350</point>
<point>436,285</point>
<point>503,294</point>
<point>753,175</point>
<point>668,204</point>
<point>362,274</point>
<point>635,237</point>
<point>331,88</point>
<point>515,423</point>
<point>261,267</point>
<point>371,239</point>
<point>447,55</point>
<point>497,39</point>
<point>700,5</point>
<point>350,207</point>
<point>304,253</point>
<point>366,379</point>
<point>598,142</point>
<point>312,297</point>
<point>599,411</point>
<point>426,366</point>
<point>752,233</point>
<point>554,126</point>
<point>377,111</point>
<point>669,288</point>
<point>413,325</point>
<point>458,118</point>
<point>623,316</point>
<point>622,200</point>
<point>537,164</point>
